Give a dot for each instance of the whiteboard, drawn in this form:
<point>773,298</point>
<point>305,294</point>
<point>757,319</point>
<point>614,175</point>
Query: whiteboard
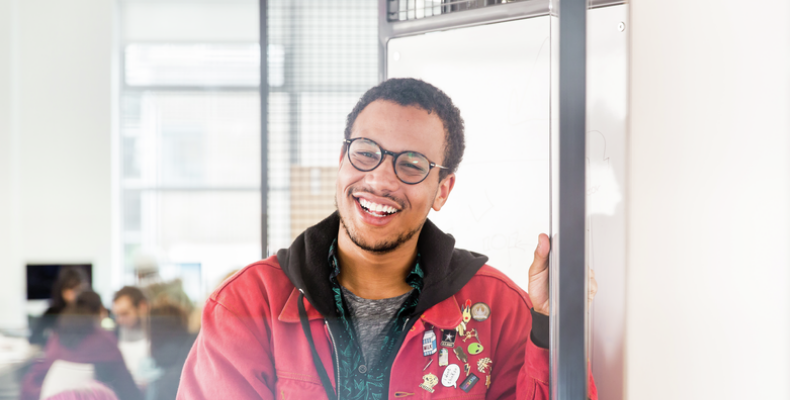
<point>498,76</point>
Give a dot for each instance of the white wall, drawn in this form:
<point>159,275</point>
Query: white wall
<point>708,303</point>
<point>202,20</point>
<point>56,107</point>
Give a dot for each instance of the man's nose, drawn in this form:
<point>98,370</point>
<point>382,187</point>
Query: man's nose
<point>383,177</point>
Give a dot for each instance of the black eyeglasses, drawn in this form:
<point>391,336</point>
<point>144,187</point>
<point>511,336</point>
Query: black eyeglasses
<point>409,166</point>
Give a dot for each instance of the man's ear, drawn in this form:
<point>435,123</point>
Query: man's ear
<point>443,192</point>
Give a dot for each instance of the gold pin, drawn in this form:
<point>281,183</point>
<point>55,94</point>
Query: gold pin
<point>461,328</point>
<point>429,381</point>
<point>484,364</point>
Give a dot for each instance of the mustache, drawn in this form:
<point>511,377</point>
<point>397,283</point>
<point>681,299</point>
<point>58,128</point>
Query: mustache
<point>386,195</point>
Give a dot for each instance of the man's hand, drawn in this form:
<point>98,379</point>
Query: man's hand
<point>539,277</point>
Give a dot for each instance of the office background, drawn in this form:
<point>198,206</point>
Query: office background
<point>707,186</point>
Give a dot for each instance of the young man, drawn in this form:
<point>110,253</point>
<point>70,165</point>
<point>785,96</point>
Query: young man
<point>130,308</point>
<point>375,302</point>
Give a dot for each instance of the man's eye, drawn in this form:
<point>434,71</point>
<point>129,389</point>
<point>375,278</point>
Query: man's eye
<point>411,168</point>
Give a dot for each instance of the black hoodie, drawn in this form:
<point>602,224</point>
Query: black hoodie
<point>446,268</point>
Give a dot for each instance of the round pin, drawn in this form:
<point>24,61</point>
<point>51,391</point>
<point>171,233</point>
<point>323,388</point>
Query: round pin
<point>480,312</point>
<point>475,348</point>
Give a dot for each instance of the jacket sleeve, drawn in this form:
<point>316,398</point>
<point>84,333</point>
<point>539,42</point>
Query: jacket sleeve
<point>229,360</point>
<point>520,368</point>
<point>533,379</point>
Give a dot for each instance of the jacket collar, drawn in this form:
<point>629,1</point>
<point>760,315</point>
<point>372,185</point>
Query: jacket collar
<point>290,312</point>
<point>445,315</point>
<point>446,269</point>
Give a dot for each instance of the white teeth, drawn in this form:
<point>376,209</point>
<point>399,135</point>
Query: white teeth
<point>377,207</point>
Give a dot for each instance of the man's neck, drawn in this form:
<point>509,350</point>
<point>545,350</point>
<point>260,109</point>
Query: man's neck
<point>375,276</point>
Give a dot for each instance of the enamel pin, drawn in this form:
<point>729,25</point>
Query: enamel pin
<point>459,352</point>
<point>474,348</point>
<point>444,357</point>
<point>448,338</point>
<point>461,328</point>
<point>480,312</point>
<point>450,376</point>
<point>467,313</point>
<point>469,383</point>
<point>429,381</point>
<point>484,364</point>
<point>428,343</point>
<point>470,334</point>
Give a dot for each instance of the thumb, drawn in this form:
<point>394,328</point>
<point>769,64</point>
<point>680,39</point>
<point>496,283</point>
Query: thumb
<point>540,261</point>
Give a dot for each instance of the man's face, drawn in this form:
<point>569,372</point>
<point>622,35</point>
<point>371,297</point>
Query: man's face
<point>395,128</point>
<point>126,314</point>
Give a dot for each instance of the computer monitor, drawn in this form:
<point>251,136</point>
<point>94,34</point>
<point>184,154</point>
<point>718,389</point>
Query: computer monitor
<point>41,278</point>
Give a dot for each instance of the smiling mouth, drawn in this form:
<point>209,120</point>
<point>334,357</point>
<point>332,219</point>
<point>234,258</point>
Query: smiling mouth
<point>375,209</point>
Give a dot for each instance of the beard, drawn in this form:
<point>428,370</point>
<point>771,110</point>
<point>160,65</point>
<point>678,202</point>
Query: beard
<point>380,247</point>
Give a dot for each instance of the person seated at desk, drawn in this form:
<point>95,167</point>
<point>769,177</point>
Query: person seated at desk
<point>70,282</point>
<point>130,308</point>
<point>80,344</point>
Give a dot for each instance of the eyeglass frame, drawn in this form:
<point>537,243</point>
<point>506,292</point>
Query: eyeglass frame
<point>394,155</point>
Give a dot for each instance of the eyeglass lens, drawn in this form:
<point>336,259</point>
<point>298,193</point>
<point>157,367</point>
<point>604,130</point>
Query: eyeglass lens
<point>410,167</point>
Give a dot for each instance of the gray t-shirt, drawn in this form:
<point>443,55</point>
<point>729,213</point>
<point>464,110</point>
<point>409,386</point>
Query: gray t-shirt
<point>372,320</point>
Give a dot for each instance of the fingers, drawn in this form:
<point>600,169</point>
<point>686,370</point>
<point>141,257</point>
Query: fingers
<point>542,250</point>
<point>541,260</point>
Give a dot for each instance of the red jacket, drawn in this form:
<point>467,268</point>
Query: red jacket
<point>251,343</point>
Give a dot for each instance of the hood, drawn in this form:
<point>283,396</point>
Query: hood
<point>446,268</point>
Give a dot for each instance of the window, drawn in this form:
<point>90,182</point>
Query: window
<point>190,139</point>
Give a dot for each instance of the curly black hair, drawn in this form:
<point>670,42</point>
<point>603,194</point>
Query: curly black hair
<point>414,92</point>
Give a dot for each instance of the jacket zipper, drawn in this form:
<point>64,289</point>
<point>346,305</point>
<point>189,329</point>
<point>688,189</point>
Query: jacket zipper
<point>337,359</point>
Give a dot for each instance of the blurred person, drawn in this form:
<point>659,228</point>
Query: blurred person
<point>170,345</point>
<point>157,289</point>
<point>70,282</point>
<point>376,296</point>
<point>79,340</point>
<point>130,308</point>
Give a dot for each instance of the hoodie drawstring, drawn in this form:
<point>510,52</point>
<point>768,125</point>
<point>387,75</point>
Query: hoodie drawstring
<point>319,366</point>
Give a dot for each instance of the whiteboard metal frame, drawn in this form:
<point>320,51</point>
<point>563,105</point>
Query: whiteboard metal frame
<point>568,347</point>
<point>568,354</point>
<point>461,19</point>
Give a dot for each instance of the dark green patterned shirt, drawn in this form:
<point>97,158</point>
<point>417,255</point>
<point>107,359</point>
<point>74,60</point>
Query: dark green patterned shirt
<point>359,381</point>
